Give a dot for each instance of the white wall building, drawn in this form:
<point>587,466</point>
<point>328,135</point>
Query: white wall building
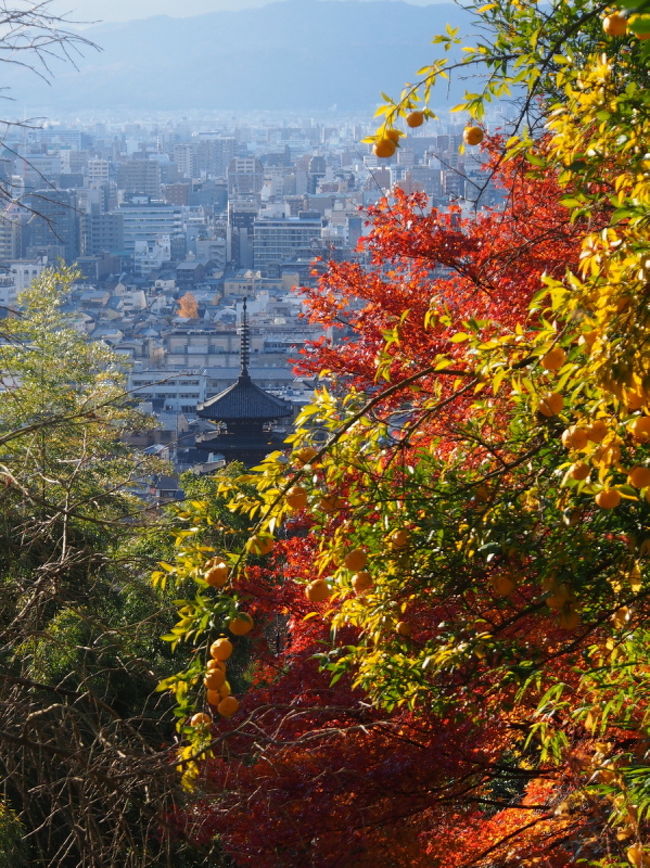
<point>173,392</point>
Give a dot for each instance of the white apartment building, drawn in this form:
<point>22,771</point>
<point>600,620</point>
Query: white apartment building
<point>149,221</point>
<point>151,254</point>
<point>97,172</point>
<point>276,241</point>
<point>7,293</point>
<point>25,271</point>
<point>172,392</point>
<point>184,159</point>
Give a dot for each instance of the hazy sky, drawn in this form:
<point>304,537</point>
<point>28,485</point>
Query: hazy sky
<point>124,10</point>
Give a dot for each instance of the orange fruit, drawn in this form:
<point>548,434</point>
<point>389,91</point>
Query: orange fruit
<point>399,539</point>
<point>608,498</point>
<point>200,719</point>
<point>228,706</point>
<point>224,690</point>
<point>384,147</point>
<point>615,24</point>
<point>473,135</point>
<point>502,585</point>
<point>579,470</point>
<point>213,664</point>
<point>362,581</point>
<point>296,497</point>
<point>640,429</point>
<point>639,477</point>
<point>608,455</point>
<point>355,560</point>
<point>393,135</point>
<point>597,430</point>
<point>241,624</point>
<point>317,591</point>
<point>415,119</point>
<point>637,856</point>
<point>217,575</point>
<point>554,359</point>
<point>260,545</point>
<point>551,404</point>
<point>633,399</point>
<point>213,697</point>
<point>403,628</point>
<point>221,649</point>
<point>214,679</point>
<point>306,454</point>
<point>575,437</point>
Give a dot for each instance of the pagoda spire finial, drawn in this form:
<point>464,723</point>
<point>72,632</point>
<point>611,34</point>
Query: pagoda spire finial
<point>245,347</point>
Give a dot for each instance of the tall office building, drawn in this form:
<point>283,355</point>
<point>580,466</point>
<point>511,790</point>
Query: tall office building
<point>140,178</point>
<point>147,221</point>
<point>213,154</point>
<point>97,172</point>
<point>102,233</point>
<point>245,176</point>
<point>242,212</point>
<point>11,232</point>
<point>53,226</point>
<point>278,241</point>
<point>185,160</point>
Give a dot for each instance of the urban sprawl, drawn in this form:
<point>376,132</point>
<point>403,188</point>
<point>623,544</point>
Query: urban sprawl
<point>172,228</point>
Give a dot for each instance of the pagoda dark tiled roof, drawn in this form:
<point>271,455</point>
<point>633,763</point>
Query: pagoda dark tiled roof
<point>244,400</point>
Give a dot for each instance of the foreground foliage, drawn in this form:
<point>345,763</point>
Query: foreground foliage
<point>450,569</point>
<point>84,760</point>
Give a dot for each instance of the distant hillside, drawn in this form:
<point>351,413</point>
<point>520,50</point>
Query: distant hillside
<point>293,55</point>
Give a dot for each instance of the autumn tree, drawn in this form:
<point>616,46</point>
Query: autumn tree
<point>465,504</point>
<point>187,306</point>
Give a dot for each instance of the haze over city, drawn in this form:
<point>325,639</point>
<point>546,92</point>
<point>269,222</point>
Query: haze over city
<point>124,10</point>
<point>296,55</point>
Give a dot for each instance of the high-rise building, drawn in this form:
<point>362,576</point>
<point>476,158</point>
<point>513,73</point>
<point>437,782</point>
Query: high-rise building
<point>316,170</point>
<point>245,176</point>
<point>53,226</point>
<point>278,241</point>
<point>184,159</point>
<point>242,212</point>
<point>102,233</point>
<point>97,172</point>
<point>147,221</point>
<point>11,232</point>
<point>213,154</point>
<point>140,177</point>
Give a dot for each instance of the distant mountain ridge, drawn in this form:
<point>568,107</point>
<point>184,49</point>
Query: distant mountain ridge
<point>293,55</point>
